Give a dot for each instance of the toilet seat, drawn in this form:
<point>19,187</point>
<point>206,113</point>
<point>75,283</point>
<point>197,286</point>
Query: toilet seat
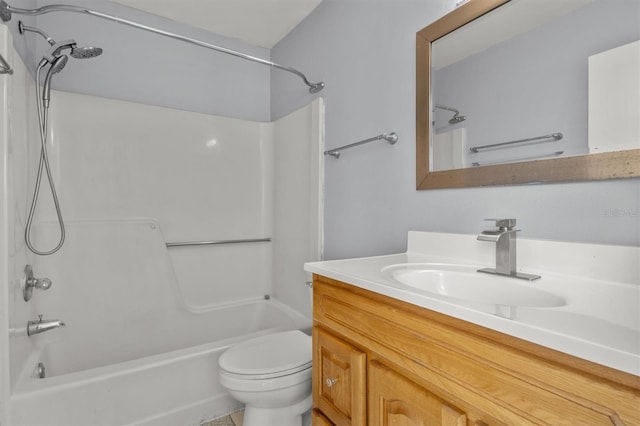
<point>238,382</point>
<point>268,357</point>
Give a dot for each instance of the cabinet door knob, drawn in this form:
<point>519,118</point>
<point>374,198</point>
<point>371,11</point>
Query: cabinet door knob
<point>331,381</point>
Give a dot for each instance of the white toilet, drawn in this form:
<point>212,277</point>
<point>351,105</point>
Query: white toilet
<point>271,375</point>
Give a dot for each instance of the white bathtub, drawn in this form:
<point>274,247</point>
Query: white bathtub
<point>133,351</point>
<point>179,387</point>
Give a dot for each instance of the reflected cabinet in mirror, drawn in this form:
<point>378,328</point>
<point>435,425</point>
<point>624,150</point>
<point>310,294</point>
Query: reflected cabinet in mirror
<point>526,91</point>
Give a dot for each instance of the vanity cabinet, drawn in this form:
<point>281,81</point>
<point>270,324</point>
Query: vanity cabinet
<point>318,419</point>
<point>396,400</point>
<point>340,379</point>
<point>381,361</point>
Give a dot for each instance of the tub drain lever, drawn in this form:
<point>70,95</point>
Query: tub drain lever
<point>30,283</point>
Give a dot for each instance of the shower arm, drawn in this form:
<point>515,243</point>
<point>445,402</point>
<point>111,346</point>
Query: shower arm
<point>457,118</point>
<point>6,11</point>
<point>446,108</point>
<point>22,28</point>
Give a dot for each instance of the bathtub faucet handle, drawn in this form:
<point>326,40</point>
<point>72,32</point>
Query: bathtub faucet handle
<point>30,283</point>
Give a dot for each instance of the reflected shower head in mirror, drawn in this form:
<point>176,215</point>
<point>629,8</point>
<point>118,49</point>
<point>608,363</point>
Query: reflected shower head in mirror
<point>457,118</point>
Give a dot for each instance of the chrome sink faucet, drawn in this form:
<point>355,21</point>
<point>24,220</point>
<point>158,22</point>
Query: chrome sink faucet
<point>505,239</point>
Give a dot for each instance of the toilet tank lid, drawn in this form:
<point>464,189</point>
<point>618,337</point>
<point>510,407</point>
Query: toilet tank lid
<point>268,354</point>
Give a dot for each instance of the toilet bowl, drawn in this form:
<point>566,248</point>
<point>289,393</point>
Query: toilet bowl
<point>271,375</point>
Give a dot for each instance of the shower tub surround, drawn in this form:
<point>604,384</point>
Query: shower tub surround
<point>145,323</point>
<point>132,351</point>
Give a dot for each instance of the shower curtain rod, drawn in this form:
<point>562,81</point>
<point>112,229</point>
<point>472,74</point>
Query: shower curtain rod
<point>6,11</point>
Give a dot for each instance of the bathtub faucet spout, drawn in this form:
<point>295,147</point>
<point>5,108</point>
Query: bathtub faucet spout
<point>40,325</point>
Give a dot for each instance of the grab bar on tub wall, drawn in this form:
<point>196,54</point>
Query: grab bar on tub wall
<point>217,242</point>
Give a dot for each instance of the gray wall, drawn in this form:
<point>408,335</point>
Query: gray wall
<point>364,50</point>
<point>143,67</point>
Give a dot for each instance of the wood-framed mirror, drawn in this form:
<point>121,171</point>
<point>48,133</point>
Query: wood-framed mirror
<point>597,164</point>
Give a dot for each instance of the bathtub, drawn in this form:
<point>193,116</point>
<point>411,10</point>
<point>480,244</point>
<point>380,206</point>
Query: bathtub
<point>133,351</point>
<point>179,387</point>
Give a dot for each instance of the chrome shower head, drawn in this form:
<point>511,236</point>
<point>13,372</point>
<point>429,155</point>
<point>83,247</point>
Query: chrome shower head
<point>57,48</point>
<point>85,52</point>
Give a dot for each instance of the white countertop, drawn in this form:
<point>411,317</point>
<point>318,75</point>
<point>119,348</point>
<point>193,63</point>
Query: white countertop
<point>601,285</point>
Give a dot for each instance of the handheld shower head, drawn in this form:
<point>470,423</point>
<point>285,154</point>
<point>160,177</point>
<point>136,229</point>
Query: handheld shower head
<point>57,48</point>
<point>56,66</point>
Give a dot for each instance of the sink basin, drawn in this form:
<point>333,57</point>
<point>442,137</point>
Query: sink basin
<point>466,284</point>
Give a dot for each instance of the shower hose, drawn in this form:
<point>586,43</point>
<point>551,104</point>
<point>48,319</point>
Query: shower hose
<point>43,164</point>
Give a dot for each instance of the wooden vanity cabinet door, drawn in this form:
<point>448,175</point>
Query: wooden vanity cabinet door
<point>339,379</point>
<point>396,400</point>
<point>318,419</point>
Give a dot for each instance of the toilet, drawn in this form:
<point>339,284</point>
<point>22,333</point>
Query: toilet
<point>271,375</point>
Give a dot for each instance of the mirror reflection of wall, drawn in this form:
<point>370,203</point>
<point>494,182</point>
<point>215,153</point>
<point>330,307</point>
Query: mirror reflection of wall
<point>614,99</point>
<point>531,84</point>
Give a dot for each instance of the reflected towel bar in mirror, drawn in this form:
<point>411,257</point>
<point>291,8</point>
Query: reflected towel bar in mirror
<point>389,137</point>
<point>218,242</point>
<point>538,139</point>
<point>514,160</point>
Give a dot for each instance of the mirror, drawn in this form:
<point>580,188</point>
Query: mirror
<point>498,107</point>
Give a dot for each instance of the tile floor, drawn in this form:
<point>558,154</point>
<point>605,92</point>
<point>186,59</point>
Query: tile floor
<point>234,419</point>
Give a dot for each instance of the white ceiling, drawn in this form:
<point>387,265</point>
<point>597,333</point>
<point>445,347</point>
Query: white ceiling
<point>258,22</point>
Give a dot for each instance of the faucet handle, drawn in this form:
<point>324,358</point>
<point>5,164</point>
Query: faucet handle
<point>504,223</point>
<point>30,283</point>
